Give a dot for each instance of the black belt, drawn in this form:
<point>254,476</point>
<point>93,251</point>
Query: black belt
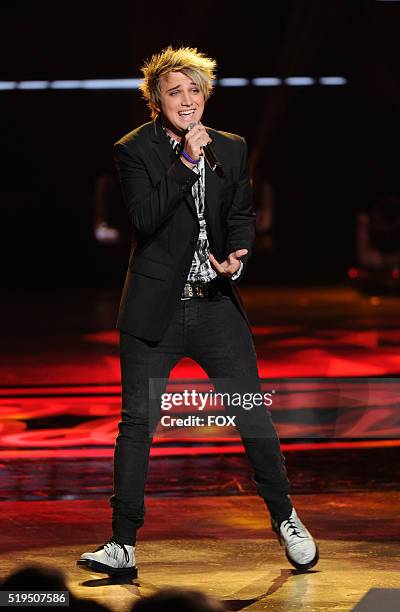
<point>200,290</point>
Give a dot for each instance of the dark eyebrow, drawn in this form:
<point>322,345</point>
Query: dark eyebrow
<point>178,87</point>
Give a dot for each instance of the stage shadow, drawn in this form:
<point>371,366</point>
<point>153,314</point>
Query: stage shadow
<point>277,583</point>
<point>98,582</point>
<point>238,604</point>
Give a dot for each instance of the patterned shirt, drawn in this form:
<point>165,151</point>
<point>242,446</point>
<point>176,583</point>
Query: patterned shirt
<point>201,269</point>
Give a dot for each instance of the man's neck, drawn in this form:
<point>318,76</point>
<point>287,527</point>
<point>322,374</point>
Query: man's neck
<point>171,134</point>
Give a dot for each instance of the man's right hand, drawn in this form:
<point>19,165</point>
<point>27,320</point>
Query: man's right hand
<point>194,139</point>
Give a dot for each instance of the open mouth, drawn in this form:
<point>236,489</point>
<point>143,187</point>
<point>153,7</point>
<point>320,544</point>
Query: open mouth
<point>186,114</point>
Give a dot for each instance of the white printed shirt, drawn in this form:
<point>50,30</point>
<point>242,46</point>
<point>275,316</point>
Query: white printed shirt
<point>201,269</point>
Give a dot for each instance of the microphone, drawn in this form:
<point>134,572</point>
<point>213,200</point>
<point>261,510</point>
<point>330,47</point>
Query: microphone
<point>210,156</point>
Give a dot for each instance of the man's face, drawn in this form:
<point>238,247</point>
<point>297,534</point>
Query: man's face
<point>181,102</point>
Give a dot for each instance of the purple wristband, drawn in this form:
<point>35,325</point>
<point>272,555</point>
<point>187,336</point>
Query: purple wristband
<point>186,156</point>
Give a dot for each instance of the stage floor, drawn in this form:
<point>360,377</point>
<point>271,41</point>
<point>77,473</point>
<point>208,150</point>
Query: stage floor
<point>221,545</point>
<point>205,528</point>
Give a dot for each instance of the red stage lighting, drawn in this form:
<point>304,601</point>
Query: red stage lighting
<point>353,273</point>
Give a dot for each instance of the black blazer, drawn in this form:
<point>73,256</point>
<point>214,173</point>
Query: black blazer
<point>156,187</point>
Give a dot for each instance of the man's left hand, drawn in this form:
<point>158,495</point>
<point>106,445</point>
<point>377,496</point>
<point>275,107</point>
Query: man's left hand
<point>230,265</point>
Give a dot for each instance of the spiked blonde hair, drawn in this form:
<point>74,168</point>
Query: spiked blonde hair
<point>196,65</point>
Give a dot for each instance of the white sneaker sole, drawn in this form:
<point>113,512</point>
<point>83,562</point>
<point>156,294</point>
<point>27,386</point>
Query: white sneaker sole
<point>101,568</point>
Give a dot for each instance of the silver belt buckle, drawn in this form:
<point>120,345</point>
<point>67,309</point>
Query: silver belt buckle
<point>187,292</point>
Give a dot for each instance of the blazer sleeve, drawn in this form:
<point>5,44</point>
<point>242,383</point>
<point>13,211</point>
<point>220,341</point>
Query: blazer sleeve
<point>149,206</point>
<point>242,217</point>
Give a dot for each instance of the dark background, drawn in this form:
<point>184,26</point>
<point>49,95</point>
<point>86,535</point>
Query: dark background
<point>326,151</point>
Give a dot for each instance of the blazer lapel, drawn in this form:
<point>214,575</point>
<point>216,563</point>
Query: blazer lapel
<point>212,203</point>
<point>162,148</point>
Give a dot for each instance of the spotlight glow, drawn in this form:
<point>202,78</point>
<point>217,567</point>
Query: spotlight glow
<point>299,81</point>
<point>131,84</point>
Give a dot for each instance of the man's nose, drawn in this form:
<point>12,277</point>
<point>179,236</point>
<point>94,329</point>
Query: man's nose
<point>187,99</point>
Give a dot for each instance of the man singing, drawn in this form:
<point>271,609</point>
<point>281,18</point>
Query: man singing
<point>193,234</point>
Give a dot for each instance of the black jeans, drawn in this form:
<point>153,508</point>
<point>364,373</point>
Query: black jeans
<point>213,332</point>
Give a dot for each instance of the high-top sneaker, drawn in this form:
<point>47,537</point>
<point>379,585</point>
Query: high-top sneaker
<point>301,548</point>
<point>111,558</point>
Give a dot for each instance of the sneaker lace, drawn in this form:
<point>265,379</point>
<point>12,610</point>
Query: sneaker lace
<point>109,545</point>
<point>294,528</point>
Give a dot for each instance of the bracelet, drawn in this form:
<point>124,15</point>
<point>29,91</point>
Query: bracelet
<point>186,156</point>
